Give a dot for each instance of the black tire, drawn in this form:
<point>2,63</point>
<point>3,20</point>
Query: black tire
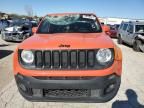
<point>3,37</point>
<point>24,37</point>
<point>136,45</point>
<point>120,40</point>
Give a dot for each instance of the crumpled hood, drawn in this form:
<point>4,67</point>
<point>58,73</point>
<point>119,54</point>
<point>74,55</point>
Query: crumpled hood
<point>139,33</point>
<point>12,29</point>
<point>72,40</point>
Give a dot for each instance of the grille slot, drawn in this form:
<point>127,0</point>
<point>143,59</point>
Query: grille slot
<point>47,59</point>
<point>91,58</point>
<point>82,59</point>
<point>38,59</point>
<point>73,59</point>
<point>64,59</point>
<point>56,59</point>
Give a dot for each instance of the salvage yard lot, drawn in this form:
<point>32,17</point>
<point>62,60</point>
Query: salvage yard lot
<point>130,95</point>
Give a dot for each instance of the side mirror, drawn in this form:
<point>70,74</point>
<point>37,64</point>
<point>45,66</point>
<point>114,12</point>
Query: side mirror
<point>129,31</point>
<point>106,29</point>
<point>34,29</point>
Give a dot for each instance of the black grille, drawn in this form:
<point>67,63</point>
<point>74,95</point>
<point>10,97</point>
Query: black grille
<point>66,93</point>
<point>66,59</point>
<point>72,59</point>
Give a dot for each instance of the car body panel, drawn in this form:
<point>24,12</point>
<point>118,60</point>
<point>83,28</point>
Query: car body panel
<point>75,40</point>
<point>113,33</point>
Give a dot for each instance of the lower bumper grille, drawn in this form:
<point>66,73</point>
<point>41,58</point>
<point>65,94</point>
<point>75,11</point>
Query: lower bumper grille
<point>66,93</point>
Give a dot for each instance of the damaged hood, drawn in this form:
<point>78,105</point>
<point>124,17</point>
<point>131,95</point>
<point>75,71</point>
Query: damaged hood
<point>13,29</point>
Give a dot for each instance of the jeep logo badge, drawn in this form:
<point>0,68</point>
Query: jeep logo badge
<point>62,45</point>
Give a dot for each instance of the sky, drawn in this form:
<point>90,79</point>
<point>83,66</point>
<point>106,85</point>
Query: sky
<point>102,8</point>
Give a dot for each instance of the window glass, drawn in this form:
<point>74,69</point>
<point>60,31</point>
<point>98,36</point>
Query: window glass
<point>139,28</point>
<point>121,26</point>
<point>70,24</point>
<point>125,26</point>
<point>130,29</point>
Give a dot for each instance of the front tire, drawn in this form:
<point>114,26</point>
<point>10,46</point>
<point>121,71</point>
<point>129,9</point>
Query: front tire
<point>3,37</point>
<point>136,45</point>
<point>120,40</point>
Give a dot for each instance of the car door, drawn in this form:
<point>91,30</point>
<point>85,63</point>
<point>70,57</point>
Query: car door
<point>120,29</point>
<point>0,25</point>
<point>124,32</point>
<point>130,34</point>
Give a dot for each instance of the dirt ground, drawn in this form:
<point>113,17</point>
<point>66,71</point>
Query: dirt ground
<point>130,95</point>
<point>6,53</point>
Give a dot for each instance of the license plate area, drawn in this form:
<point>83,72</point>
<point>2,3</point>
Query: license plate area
<point>66,93</point>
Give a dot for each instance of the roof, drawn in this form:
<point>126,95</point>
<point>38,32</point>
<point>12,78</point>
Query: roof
<point>61,14</point>
<point>135,22</point>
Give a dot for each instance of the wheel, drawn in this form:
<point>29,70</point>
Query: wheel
<point>120,40</point>
<point>136,45</point>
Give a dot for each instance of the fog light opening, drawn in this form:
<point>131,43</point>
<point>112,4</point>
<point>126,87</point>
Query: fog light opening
<point>37,92</point>
<point>22,87</point>
<point>109,88</point>
<point>112,77</point>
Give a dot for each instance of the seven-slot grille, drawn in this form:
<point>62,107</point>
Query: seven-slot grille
<point>65,59</point>
<point>72,59</point>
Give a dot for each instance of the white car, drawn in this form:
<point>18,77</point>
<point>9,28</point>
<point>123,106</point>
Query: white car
<point>132,33</point>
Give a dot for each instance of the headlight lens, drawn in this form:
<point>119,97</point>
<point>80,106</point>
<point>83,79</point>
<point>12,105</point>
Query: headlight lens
<point>104,56</point>
<point>27,56</point>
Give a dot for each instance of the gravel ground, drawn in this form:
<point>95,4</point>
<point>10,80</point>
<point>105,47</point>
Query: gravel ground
<point>130,95</point>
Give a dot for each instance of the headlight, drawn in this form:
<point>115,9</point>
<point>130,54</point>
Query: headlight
<point>104,56</point>
<point>27,56</point>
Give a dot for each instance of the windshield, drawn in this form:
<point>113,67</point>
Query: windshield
<point>15,24</point>
<point>117,26</point>
<point>19,23</point>
<point>70,24</point>
<point>4,23</point>
<point>139,28</point>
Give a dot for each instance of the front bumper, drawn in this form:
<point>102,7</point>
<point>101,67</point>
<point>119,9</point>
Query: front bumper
<point>78,89</point>
<point>11,37</point>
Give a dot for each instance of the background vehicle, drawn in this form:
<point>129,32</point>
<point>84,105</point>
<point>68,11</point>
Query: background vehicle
<point>69,58</point>
<point>3,24</point>
<point>34,23</point>
<point>132,33</point>
<point>113,31</point>
<point>106,28</point>
<point>18,30</point>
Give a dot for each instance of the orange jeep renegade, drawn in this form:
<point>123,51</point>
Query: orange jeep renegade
<point>69,58</point>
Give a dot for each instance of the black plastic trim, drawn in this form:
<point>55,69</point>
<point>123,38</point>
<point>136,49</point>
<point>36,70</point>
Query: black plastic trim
<point>97,66</point>
<point>94,83</point>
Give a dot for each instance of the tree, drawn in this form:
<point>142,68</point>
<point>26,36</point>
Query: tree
<point>29,10</point>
